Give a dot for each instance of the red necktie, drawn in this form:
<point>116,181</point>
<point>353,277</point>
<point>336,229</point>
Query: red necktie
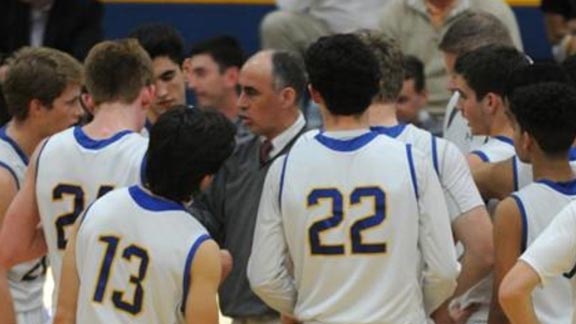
<point>265,149</point>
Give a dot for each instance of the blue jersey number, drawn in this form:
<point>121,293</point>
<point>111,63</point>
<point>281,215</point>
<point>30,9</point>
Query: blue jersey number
<point>358,196</point>
<point>78,204</point>
<point>131,252</point>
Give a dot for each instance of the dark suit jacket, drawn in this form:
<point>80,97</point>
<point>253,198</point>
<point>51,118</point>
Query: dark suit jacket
<point>74,26</point>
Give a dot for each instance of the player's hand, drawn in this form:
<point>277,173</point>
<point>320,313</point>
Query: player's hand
<point>285,319</point>
<point>442,315</point>
<point>227,264</point>
<point>461,316</point>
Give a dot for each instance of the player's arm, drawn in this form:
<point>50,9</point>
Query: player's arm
<point>495,180</point>
<point>9,189</point>
<point>507,245</point>
<point>201,300</point>
<point>69,283</point>
<point>440,265</point>
<point>21,237</point>
<point>268,274</point>
<point>515,294</point>
<point>474,160</point>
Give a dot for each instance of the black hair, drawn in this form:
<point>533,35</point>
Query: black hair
<point>186,144</point>
<point>547,111</point>
<point>160,40</point>
<point>488,68</point>
<point>534,74</point>
<point>288,71</point>
<point>569,65</point>
<point>224,50</point>
<point>414,70</point>
<point>345,72</point>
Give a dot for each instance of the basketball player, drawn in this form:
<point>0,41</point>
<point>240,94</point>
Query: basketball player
<point>334,216</point>
<point>139,256</point>
<point>71,169</point>
<point>470,222</point>
<point>42,90</point>
<point>544,122</point>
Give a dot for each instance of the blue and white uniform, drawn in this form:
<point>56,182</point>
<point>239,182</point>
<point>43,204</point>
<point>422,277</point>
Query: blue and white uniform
<point>134,252</point>
<point>539,203</point>
<point>355,224</point>
<point>73,170</point>
<point>495,149</point>
<point>26,279</point>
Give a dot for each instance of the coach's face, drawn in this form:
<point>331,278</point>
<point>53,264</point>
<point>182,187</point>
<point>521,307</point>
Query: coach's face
<point>259,100</point>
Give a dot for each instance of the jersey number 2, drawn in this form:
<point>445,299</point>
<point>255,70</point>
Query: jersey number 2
<point>337,203</point>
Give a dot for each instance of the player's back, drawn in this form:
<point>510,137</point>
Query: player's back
<point>523,174</point>
<point>133,254</point>
<point>26,279</point>
<point>73,170</point>
<point>351,220</point>
<point>539,203</point>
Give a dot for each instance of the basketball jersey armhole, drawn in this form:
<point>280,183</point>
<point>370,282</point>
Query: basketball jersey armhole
<point>524,220</point>
<point>412,170</point>
<point>187,268</point>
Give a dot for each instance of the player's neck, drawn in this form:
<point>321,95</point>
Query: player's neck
<point>501,127</point>
<point>382,114</point>
<point>111,118</point>
<point>229,106</point>
<point>556,169</point>
<point>25,135</point>
<point>345,123</point>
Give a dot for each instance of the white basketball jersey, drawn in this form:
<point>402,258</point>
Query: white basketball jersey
<point>539,203</point>
<point>352,206</point>
<point>73,170</point>
<point>496,149</point>
<point>26,279</point>
<point>523,174</point>
<point>133,254</point>
<point>453,172</point>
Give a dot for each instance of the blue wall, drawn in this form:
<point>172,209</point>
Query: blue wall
<point>200,21</point>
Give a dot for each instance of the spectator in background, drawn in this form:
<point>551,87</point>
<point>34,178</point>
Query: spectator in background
<point>212,71</point>
<point>298,23</point>
<point>418,25</point>
<point>411,105</point>
<point>559,18</point>
<point>166,49</point>
<point>71,26</point>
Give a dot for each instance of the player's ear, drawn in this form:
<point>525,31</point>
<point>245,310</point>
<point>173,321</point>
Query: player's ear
<point>206,181</point>
<point>147,95</point>
<point>527,142</point>
<point>288,97</point>
<point>315,95</point>
<point>491,102</point>
<point>231,76</point>
<point>36,108</point>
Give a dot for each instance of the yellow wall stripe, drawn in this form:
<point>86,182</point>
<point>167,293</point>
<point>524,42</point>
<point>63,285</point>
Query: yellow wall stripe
<point>529,3</point>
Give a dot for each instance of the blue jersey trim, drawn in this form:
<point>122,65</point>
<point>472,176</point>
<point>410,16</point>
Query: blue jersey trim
<point>392,131</point>
<point>567,188</point>
<point>515,173</point>
<point>188,265</point>
<point>572,154</point>
<point>148,125</point>
<point>12,172</point>
<point>4,136</point>
<point>282,176</point>
<point>92,144</point>
<point>524,219</point>
<point>481,155</point>
<point>435,155</point>
<point>412,170</point>
<point>505,139</point>
<point>345,145</point>
<point>152,203</point>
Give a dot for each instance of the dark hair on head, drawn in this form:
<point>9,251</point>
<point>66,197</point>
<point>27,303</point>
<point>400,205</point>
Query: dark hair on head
<point>224,50</point>
<point>547,111</point>
<point>389,58</point>
<point>474,30</point>
<point>186,144</point>
<point>534,74</point>
<point>345,72</point>
<point>288,71</point>
<point>487,68</point>
<point>38,73</point>
<point>414,70</point>
<point>569,65</point>
<point>4,116</point>
<point>160,40</point>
